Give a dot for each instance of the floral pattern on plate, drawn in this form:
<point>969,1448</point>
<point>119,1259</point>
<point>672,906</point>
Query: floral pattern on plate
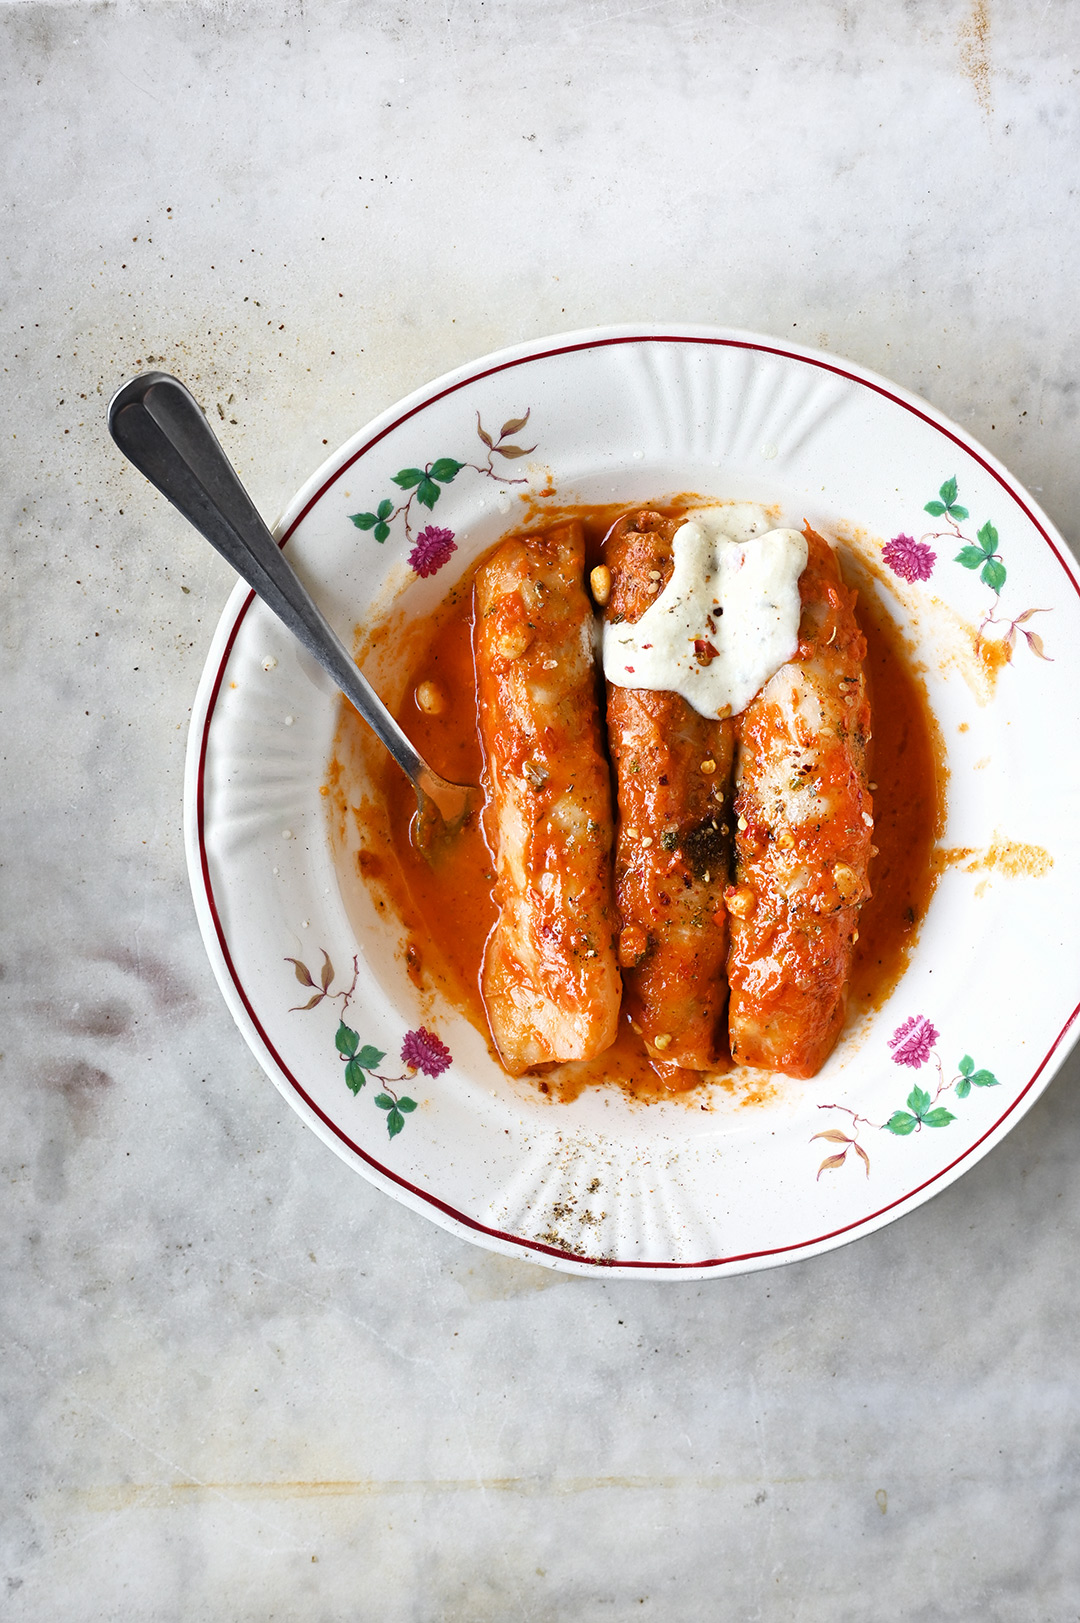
<point>914,561</point>
<point>913,1045</point>
<point>434,545</point>
<point>421,1050</point>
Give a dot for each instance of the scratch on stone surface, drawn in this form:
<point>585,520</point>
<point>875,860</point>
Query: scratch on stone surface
<point>289,1284</point>
<point>606,18</point>
<point>130,1496</point>
<point>158,1495</point>
<point>450,41</point>
<point>973,39</point>
<point>599,18</point>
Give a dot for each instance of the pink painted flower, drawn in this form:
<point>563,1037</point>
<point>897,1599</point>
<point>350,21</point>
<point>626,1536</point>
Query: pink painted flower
<point>912,1042</point>
<point>908,558</point>
<point>423,1051</point>
<point>433,548</point>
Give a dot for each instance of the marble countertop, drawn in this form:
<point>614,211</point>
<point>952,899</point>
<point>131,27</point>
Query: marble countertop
<point>240,1383</point>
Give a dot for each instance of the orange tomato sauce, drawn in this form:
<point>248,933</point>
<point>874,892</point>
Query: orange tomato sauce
<point>446,907</point>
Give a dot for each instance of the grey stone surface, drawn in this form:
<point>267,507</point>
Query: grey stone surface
<point>239,1383</point>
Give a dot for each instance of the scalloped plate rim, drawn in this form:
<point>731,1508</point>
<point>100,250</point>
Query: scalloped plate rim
<point>225,633</point>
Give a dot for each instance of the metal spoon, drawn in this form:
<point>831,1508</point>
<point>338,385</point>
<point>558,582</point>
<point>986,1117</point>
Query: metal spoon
<point>161,428</point>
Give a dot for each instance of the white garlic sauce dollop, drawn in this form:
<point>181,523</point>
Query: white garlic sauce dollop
<point>726,621</point>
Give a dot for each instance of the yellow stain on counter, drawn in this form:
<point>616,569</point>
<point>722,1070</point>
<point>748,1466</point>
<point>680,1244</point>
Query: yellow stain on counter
<point>168,1495</point>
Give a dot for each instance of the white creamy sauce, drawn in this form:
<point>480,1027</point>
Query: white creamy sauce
<point>726,621</point>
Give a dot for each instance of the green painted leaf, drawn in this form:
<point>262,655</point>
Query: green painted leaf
<point>369,1057</point>
<point>918,1100</point>
<point>970,557</point>
<point>427,492</point>
<point>395,1121</point>
<point>364,521</point>
<point>963,1087</point>
<point>381,531</point>
<point>967,1065</point>
<point>408,477</point>
<point>939,1117</point>
<point>988,538</point>
<point>985,1079</point>
<point>407,1104</point>
<point>354,1075</point>
<point>901,1123</point>
<point>347,1041</point>
<point>384,1101</point>
<point>993,574</point>
<point>948,492</point>
<point>385,508</point>
<point>935,509</point>
<point>445,469</point>
<point>958,513</point>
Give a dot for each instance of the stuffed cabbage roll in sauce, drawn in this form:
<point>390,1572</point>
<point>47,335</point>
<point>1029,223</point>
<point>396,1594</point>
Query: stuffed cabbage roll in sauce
<point>549,981</point>
<point>723,634</point>
<point>734,667</point>
<point>804,823</point>
<point>673,771</point>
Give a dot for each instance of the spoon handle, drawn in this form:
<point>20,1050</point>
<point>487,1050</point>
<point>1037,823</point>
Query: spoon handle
<point>161,428</point>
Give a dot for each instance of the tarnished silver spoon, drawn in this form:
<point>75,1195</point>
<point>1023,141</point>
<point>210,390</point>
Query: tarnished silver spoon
<point>161,428</point>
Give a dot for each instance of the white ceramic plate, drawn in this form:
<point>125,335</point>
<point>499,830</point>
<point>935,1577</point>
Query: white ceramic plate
<point>914,1095</point>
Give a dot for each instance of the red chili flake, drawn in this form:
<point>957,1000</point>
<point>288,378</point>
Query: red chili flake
<point>704,652</point>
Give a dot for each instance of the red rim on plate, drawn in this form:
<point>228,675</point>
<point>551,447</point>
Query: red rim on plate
<point>203,884</point>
